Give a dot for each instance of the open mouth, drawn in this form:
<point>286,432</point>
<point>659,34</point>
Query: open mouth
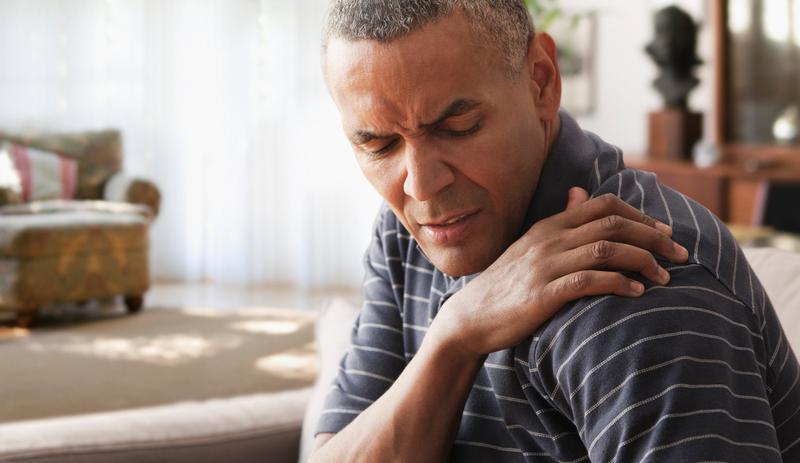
<point>452,221</point>
<point>450,231</point>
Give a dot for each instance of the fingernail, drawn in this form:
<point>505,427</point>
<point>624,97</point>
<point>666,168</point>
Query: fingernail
<point>663,275</point>
<point>636,288</point>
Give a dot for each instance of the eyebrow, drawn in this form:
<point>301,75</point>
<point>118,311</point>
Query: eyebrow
<point>456,108</point>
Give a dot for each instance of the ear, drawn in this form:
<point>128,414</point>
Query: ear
<point>544,75</point>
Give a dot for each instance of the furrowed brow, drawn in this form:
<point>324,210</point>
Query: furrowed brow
<point>360,137</point>
<point>456,108</point>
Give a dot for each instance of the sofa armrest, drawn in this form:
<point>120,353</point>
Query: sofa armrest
<point>125,188</point>
<point>245,429</point>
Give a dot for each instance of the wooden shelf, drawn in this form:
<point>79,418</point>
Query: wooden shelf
<point>733,192</point>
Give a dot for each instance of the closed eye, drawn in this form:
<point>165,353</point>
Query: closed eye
<point>462,133</point>
<point>382,151</point>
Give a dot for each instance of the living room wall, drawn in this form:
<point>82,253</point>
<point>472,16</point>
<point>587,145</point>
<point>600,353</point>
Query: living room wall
<point>624,73</point>
<point>223,104</point>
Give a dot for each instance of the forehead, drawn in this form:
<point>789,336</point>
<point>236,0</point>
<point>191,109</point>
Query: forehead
<point>413,77</point>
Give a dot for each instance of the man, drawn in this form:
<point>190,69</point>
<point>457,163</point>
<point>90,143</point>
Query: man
<point>452,107</point>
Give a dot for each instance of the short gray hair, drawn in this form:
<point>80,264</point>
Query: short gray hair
<point>504,23</point>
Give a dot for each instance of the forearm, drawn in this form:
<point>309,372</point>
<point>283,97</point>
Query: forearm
<point>417,418</point>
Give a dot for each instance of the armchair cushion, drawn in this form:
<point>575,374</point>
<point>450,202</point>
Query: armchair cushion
<point>10,186</point>
<point>40,174</point>
<point>99,154</point>
<point>77,232</point>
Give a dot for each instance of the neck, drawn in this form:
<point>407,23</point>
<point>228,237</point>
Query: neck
<point>551,130</point>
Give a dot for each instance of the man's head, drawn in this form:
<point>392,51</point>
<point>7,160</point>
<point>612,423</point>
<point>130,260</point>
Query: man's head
<point>451,107</point>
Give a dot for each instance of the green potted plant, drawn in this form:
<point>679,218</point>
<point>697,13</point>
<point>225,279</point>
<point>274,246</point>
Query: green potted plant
<point>545,13</point>
<point>573,32</point>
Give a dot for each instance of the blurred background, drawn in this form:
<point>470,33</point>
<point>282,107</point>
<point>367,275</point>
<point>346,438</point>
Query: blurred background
<point>222,104</point>
<point>181,160</point>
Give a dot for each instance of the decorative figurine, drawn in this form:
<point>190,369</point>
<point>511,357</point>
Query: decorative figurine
<point>674,52</point>
<point>675,130</point>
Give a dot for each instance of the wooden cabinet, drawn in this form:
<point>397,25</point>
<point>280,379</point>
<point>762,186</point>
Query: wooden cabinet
<point>754,84</point>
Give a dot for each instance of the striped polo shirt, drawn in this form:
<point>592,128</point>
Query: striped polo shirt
<point>698,370</point>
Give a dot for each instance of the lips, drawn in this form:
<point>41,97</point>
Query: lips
<point>447,222</point>
<point>451,230</point>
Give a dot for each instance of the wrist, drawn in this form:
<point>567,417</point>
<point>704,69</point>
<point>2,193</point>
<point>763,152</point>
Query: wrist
<point>449,336</point>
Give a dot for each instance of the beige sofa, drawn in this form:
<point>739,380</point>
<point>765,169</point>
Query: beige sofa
<point>268,427</point>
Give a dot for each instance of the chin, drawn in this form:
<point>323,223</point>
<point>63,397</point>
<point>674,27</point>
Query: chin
<point>458,262</point>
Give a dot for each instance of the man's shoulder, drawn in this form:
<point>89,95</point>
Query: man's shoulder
<point>710,243</point>
<point>692,286</point>
<point>691,315</point>
<point>693,321</point>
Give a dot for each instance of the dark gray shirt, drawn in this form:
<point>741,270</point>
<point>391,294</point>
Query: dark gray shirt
<point>698,370</point>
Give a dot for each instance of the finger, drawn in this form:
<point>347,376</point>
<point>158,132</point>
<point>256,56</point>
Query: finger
<point>603,255</point>
<point>609,204</point>
<point>592,283</point>
<point>577,196</point>
<point>622,230</point>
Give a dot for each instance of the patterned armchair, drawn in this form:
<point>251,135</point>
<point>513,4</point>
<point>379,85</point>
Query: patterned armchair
<point>84,238</point>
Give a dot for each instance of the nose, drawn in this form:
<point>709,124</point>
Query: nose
<point>426,174</point>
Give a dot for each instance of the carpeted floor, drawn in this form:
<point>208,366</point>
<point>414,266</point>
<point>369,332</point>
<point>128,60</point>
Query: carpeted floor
<point>97,363</point>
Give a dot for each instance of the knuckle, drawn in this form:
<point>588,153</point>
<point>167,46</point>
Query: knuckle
<point>579,281</point>
<point>612,223</point>
<point>602,250</point>
<point>649,221</point>
<point>609,200</point>
<point>552,241</point>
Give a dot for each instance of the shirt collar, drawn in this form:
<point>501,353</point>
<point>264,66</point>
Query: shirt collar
<point>568,164</point>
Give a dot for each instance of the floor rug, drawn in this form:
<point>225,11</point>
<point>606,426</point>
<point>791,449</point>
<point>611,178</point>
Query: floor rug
<point>116,361</point>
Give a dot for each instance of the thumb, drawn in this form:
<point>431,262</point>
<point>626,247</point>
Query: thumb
<point>577,196</point>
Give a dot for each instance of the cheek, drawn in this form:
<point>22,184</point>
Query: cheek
<point>386,177</point>
<point>504,164</point>
<point>495,163</point>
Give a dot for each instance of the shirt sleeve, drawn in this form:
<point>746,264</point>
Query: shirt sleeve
<point>679,374</point>
<point>376,355</point>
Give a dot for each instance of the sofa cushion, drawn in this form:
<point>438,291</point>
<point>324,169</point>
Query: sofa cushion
<point>41,174</point>
<point>779,272</point>
<point>246,429</point>
<point>334,328</point>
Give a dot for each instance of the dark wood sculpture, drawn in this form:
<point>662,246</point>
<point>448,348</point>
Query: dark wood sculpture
<point>675,129</point>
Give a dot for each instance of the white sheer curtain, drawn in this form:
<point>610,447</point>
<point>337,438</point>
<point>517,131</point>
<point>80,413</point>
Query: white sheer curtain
<point>222,103</point>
